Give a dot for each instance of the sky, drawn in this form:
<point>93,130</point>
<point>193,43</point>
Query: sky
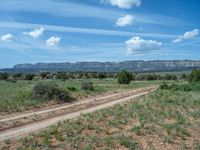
<point>33,31</point>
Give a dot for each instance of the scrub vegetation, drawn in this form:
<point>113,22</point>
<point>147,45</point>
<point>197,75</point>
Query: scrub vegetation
<point>25,95</point>
<point>168,118</point>
<point>165,119</point>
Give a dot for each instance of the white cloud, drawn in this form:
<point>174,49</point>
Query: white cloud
<point>187,35</point>
<point>62,29</point>
<point>53,41</point>
<point>124,21</point>
<point>7,37</point>
<point>137,45</point>
<point>125,4</point>
<point>48,7</point>
<point>35,33</point>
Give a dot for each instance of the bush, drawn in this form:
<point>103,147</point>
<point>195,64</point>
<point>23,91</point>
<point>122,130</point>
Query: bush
<point>62,95</point>
<point>4,76</point>
<point>11,79</point>
<point>29,76</point>
<point>17,75</point>
<point>50,91</point>
<point>170,77</point>
<point>124,77</point>
<point>102,75</point>
<point>194,76</point>
<point>71,88</point>
<point>62,76</point>
<point>181,87</point>
<point>87,85</point>
<point>45,90</point>
<point>164,86</point>
<point>44,75</point>
<point>184,76</point>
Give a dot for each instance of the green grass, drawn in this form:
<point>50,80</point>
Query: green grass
<point>14,96</point>
<point>18,96</point>
<point>165,116</point>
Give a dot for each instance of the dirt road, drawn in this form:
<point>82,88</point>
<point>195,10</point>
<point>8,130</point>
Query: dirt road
<point>18,126</point>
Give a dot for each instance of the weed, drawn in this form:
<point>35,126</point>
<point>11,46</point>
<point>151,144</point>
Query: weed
<point>169,139</point>
<point>136,129</point>
<point>128,142</point>
<point>87,147</point>
<point>109,141</point>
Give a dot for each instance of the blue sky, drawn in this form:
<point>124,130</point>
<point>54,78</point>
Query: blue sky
<point>33,31</point>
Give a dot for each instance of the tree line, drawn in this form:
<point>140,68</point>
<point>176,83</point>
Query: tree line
<point>89,75</point>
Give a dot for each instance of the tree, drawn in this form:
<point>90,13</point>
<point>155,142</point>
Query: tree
<point>124,77</point>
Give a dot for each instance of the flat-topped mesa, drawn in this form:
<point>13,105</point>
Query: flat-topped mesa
<point>135,66</point>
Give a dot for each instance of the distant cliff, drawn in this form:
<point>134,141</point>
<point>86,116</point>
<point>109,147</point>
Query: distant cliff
<point>134,66</point>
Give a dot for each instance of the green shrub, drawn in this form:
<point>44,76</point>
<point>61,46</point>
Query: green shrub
<point>11,79</point>
<point>4,76</point>
<point>50,91</point>
<point>17,75</point>
<point>164,86</point>
<point>102,75</point>
<point>62,95</point>
<point>87,85</point>
<point>194,76</point>
<point>44,75</point>
<point>175,87</point>
<point>124,77</point>
<point>181,87</point>
<point>71,88</point>
<point>45,90</point>
<point>170,77</point>
<point>62,76</point>
<point>29,76</point>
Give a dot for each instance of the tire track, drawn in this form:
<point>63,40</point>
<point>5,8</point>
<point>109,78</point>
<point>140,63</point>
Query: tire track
<point>55,115</point>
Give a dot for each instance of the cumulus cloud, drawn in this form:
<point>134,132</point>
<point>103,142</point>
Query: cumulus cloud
<point>7,37</point>
<point>125,4</point>
<point>124,21</point>
<point>35,33</point>
<point>53,41</point>
<point>137,45</point>
<point>187,35</point>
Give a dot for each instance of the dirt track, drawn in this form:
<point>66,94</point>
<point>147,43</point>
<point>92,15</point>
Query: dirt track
<point>20,125</point>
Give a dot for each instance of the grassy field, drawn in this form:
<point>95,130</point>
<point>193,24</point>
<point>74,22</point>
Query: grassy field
<point>165,119</point>
<point>18,96</point>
